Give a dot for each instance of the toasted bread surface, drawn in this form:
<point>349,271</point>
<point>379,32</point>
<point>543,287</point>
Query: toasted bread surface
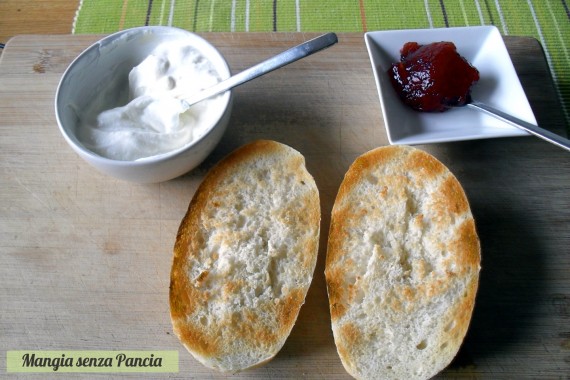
<point>402,266</point>
<point>244,256</point>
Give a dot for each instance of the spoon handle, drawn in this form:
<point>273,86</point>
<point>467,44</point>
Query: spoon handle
<point>530,128</point>
<point>288,56</point>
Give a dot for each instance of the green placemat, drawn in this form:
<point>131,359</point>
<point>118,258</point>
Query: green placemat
<point>546,20</point>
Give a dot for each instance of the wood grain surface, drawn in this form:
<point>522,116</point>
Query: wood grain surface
<point>85,258</point>
<point>19,17</point>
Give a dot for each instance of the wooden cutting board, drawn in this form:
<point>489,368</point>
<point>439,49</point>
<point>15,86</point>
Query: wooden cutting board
<point>85,258</point>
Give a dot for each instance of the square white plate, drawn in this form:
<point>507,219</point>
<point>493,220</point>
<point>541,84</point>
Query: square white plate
<point>498,86</point>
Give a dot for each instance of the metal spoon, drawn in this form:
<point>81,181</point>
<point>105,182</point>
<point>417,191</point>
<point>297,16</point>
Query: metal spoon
<point>291,55</point>
<point>516,122</point>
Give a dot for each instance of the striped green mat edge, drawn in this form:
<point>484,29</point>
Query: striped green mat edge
<point>546,20</point>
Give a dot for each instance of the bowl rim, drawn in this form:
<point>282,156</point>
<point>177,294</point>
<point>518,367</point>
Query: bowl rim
<point>155,159</point>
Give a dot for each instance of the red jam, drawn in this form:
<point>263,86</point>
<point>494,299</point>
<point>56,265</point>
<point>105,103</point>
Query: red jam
<point>432,77</point>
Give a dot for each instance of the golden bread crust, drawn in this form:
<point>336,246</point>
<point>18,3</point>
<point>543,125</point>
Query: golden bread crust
<point>253,222</point>
<point>402,265</point>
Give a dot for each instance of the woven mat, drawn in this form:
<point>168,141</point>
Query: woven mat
<point>546,20</point>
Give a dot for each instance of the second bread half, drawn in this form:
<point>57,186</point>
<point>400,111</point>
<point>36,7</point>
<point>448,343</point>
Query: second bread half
<point>402,265</point>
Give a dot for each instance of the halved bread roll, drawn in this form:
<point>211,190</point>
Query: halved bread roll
<point>402,266</point>
<point>244,257</point>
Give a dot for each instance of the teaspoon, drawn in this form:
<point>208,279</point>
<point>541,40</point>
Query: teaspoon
<point>516,122</point>
<point>288,56</point>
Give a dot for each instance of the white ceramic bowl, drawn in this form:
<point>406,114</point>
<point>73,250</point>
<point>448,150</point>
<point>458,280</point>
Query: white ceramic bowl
<point>498,86</point>
<point>111,59</point>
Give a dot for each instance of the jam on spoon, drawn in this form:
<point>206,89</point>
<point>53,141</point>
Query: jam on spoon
<point>433,77</point>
